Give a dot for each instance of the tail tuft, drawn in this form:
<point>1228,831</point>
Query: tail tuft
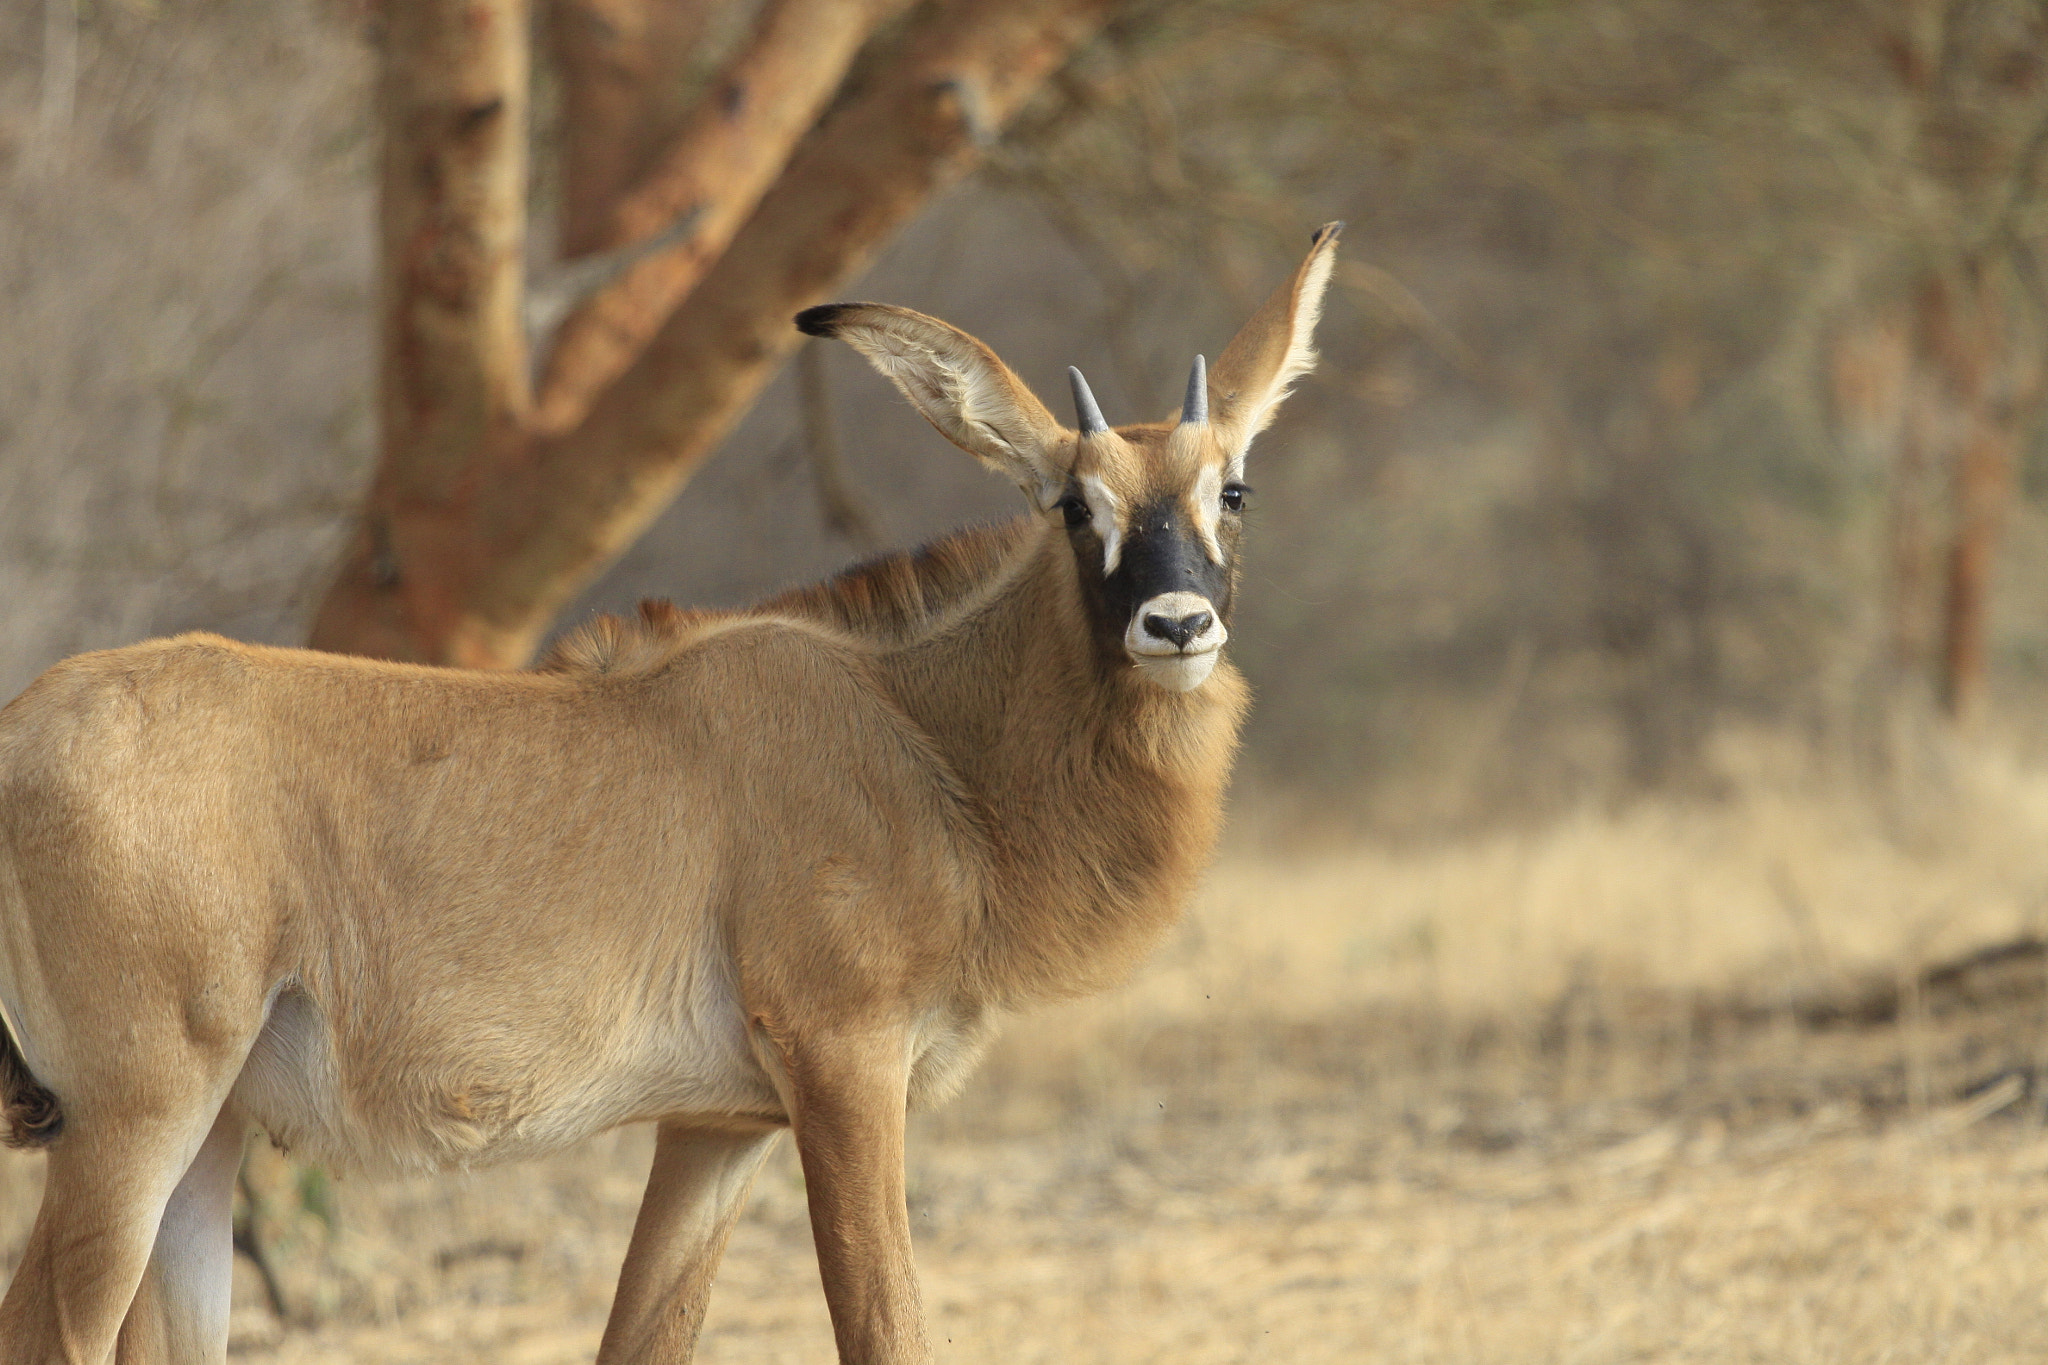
<point>32,1115</point>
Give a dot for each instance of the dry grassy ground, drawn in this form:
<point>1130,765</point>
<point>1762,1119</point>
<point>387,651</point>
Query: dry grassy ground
<point>1706,1083</point>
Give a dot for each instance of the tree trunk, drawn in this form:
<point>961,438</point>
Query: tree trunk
<point>467,550</point>
<point>452,379</point>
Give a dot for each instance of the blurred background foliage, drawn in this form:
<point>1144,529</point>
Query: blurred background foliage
<point>1641,451</point>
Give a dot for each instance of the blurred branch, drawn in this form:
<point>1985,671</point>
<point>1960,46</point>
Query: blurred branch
<point>845,512</point>
<point>58,84</point>
<point>248,1242</point>
<point>621,62</point>
<point>550,296</point>
<point>872,166</point>
<point>1113,277</point>
<point>727,154</point>
<point>1385,288</point>
<point>2024,189</point>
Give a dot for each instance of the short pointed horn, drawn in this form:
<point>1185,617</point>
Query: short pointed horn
<point>1196,408</point>
<point>1085,410</point>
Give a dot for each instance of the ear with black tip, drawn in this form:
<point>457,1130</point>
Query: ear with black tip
<point>960,387</point>
<point>1273,350</point>
<point>817,322</point>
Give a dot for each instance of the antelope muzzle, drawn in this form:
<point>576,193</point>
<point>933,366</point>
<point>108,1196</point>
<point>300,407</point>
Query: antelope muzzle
<point>1175,633</point>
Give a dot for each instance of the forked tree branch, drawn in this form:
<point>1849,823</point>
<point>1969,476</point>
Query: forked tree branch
<point>727,154</point>
<point>552,295</point>
<point>622,65</point>
<point>477,580</point>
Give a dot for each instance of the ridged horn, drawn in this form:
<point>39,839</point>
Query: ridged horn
<point>1085,410</point>
<point>1196,408</point>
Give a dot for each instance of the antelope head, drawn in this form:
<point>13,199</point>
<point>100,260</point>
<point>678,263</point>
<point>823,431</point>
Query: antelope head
<point>1152,511</point>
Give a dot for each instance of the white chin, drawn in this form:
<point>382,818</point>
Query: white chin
<point>1178,672</point>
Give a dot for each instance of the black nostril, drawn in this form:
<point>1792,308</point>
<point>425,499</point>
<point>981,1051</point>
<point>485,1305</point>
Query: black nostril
<point>1181,631</point>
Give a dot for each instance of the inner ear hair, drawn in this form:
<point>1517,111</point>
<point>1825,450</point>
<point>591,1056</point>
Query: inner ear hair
<point>1273,350</point>
<point>960,386</point>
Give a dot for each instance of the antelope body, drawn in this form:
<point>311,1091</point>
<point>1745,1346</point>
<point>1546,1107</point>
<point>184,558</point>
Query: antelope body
<point>728,873</point>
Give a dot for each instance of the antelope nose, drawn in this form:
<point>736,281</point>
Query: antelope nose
<point>1181,631</point>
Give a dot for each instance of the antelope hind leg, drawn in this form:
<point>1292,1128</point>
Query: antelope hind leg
<point>695,1192</point>
<point>105,1194</point>
<point>180,1312</point>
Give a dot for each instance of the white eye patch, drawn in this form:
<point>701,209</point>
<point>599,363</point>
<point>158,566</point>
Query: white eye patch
<point>1102,506</point>
<point>1206,509</point>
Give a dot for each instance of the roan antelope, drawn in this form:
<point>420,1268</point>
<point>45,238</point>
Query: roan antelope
<point>724,872</point>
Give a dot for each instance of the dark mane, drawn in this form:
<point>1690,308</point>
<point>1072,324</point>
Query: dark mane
<point>886,599</point>
<point>619,644</point>
<point>889,597</point>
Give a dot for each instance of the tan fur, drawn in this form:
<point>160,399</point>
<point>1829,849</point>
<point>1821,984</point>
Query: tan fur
<point>727,872</point>
<point>1276,348</point>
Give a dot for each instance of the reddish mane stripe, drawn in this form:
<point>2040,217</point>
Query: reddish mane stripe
<point>887,599</point>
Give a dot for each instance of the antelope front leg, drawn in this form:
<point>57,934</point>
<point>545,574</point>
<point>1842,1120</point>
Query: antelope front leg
<point>848,1097</point>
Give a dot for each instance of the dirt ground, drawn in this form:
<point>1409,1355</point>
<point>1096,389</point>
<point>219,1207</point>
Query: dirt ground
<point>1761,1082</point>
<point>1779,1199</point>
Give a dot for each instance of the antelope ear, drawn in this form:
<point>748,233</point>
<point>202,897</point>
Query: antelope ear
<point>960,387</point>
<point>1273,350</point>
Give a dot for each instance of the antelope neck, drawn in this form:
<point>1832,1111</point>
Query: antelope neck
<point>1099,791</point>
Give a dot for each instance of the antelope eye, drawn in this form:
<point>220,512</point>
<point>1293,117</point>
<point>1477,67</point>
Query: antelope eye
<point>1075,510</point>
<point>1233,497</point>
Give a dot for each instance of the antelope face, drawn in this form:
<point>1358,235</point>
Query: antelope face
<point>1151,511</point>
<point>1154,515</point>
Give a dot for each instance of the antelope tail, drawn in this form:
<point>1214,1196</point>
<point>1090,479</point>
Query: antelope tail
<point>31,1114</point>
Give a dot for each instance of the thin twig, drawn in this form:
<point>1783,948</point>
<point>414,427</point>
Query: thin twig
<point>249,1243</point>
<point>59,82</point>
<point>553,293</point>
<point>844,511</point>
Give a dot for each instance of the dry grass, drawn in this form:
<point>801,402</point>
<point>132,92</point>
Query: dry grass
<point>1671,1084</point>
